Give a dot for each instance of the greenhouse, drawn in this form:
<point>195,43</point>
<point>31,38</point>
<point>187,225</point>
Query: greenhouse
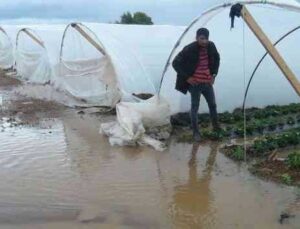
<point>99,64</point>
<point>6,50</point>
<point>32,62</point>
<point>240,51</point>
<point>114,61</point>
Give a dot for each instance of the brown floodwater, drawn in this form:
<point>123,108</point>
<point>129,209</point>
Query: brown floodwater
<point>57,171</point>
<point>64,174</point>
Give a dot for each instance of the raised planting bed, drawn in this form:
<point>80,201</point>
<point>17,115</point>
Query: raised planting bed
<point>262,153</point>
<point>268,143</point>
<point>272,119</point>
<point>287,171</point>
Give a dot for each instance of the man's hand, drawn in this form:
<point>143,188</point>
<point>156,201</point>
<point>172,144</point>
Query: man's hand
<point>191,81</point>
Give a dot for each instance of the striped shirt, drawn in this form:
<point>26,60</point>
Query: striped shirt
<point>202,73</point>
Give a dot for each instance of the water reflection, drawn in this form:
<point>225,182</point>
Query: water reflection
<point>64,170</point>
<point>192,202</point>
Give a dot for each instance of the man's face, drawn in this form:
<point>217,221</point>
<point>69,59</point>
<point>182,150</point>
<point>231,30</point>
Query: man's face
<point>202,41</point>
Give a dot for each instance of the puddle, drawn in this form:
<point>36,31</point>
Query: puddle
<point>63,174</point>
<point>57,171</point>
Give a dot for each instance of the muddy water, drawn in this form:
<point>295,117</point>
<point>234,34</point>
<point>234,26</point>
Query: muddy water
<point>64,174</point>
<point>57,171</point>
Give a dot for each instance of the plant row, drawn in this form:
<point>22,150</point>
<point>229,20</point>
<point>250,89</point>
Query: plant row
<point>265,145</point>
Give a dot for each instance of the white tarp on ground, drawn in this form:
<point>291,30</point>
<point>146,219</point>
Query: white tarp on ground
<point>269,85</point>
<point>6,50</point>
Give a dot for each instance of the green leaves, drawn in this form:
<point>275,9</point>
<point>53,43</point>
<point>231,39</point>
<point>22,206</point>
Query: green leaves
<point>293,160</point>
<point>286,178</point>
<point>237,153</point>
<point>139,18</point>
<point>268,143</point>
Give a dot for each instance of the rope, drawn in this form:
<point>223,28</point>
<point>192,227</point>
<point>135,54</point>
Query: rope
<point>244,73</point>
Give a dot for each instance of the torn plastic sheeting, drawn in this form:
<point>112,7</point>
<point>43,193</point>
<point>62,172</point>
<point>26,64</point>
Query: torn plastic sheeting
<point>132,118</point>
<point>6,51</point>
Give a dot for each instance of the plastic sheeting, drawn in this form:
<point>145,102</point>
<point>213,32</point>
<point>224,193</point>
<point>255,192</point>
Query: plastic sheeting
<point>6,51</point>
<point>132,64</point>
<point>132,118</point>
<point>84,71</point>
<point>32,63</point>
<point>238,48</point>
<point>137,61</point>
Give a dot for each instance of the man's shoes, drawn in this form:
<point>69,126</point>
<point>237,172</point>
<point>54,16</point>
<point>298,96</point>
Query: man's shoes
<point>197,137</point>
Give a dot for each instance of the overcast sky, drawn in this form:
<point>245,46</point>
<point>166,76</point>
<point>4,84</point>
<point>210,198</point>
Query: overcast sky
<point>178,12</point>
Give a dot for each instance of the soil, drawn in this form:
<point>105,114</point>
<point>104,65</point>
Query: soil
<point>6,81</point>
<point>267,168</point>
<point>275,170</point>
<point>22,110</point>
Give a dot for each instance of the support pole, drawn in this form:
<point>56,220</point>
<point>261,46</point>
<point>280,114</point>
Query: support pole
<point>88,38</point>
<point>265,41</point>
<point>33,37</point>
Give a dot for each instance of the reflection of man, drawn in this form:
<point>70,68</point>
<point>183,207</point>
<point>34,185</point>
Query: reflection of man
<point>197,66</point>
<point>192,200</point>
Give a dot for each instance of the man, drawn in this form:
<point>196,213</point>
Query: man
<point>197,66</point>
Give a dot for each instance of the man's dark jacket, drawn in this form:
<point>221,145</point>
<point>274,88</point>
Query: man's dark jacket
<point>185,63</point>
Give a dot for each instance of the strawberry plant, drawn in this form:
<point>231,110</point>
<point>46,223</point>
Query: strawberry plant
<point>291,121</point>
<point>293,160</point>
<point>286,178</point>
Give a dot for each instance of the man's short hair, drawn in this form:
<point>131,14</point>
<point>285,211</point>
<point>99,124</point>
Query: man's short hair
<point>203,32</point>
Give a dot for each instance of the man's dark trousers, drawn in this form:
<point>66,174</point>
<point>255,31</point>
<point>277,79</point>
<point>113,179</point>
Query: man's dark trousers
<point>207,90</point>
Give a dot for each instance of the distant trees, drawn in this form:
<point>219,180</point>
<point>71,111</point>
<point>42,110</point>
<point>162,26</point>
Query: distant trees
<point>139,18</point>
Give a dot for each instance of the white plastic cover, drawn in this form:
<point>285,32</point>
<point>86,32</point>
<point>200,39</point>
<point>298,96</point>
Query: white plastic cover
<point>84,71</point>
<point>32,62</point>
<point>6,51</point>
<point>132,118</point>
<point>269,85</point>
<point>135,57</point>
<point>137,53</point>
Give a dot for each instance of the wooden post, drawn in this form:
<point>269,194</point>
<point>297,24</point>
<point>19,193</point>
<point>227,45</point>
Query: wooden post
<point>262,37</point>
<point>88,38</point>
<point>33,37</point>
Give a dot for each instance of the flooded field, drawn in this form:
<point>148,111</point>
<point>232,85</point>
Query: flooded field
<point>57,171</point>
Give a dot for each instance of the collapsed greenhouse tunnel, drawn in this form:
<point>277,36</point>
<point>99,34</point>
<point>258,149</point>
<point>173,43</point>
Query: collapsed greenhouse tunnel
<point>85,68</point>
<point>270,86</point>
<point>6,50</point>
<point>117,56</point>
<point>32,62</point>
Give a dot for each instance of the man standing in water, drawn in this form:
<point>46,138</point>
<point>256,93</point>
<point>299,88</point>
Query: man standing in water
<point>197,66</point>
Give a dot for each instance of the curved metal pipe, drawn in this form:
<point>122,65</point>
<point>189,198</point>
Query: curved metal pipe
<point>261,60</point>
<point>218,7</point>
<point>64,35</point>
<point>37,39</point>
